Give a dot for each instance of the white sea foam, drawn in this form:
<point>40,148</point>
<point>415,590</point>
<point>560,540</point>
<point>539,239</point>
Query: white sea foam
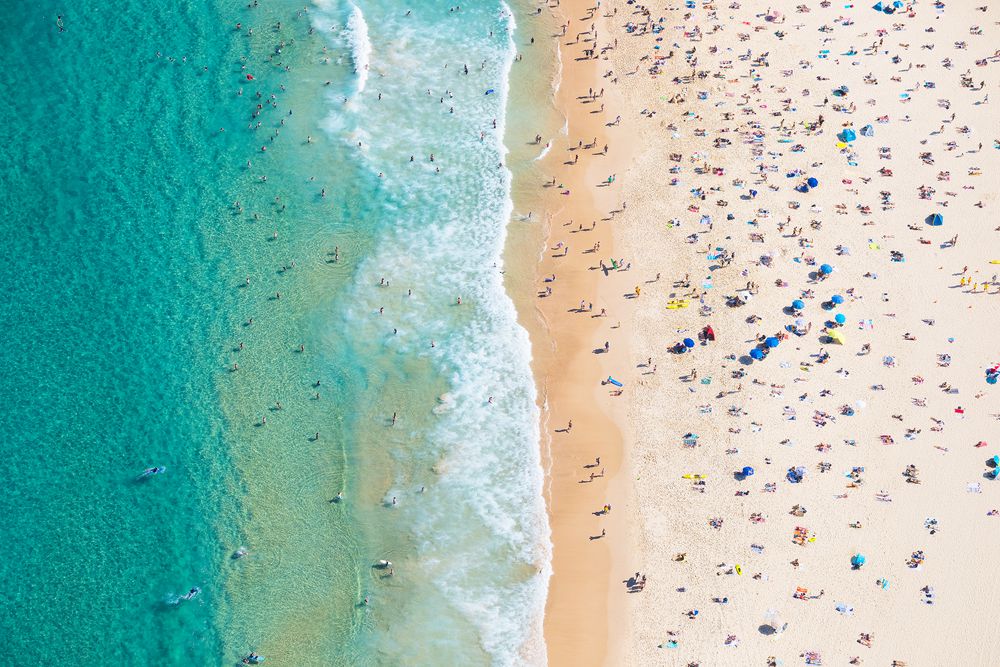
<point>361,46</point>
<point>481,529</point>
<point>544,151</point>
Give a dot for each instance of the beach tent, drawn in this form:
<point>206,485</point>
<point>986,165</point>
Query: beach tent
<point>837,299</point>
<point>772,341</point>
<point>798,304</point>
<point>867,131</point>
<point>837,337</point>
<point>935,220</point>
<point>840,318</point>
<point>757,354</point>
<point>857,561</point>
<point>878,7</point>
<point>847,136</point>
<point>773,620</point>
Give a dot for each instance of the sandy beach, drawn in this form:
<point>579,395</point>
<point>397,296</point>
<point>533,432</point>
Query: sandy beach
<point>582,431</point>
<point>796,287</point>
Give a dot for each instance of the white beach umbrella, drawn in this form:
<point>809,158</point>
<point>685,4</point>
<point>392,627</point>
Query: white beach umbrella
<point>773,620</point>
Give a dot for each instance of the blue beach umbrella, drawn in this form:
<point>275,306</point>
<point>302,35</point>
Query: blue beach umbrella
<point>837,299</point>
<point>757,354</point>
<point>747,471</point>
<point>812,182</point>
<point>772,341</point>
<point>857,561</point>
<point>935,220</point>
<point>798,304</point>
<point>847,136</point>
<point>688,343</point>
<point>839,318</point>
<point>826,269</point>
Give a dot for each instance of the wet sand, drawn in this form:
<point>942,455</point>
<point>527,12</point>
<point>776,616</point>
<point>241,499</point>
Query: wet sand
<point>570,361</point>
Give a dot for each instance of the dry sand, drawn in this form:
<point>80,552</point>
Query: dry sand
<point>730,104</point>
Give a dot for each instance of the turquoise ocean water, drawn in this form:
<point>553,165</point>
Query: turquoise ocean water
<point>148,253</point>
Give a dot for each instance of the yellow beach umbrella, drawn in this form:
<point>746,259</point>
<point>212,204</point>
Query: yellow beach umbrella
<point>837,337</point>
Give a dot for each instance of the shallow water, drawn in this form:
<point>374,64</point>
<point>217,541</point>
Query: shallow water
<point>127,265</point>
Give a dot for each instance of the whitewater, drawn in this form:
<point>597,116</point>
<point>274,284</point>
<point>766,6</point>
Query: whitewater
<point>457,497</point>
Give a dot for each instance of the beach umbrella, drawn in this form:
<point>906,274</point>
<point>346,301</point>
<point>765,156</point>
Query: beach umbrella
<point>826,269</point>
<point>867,131</point>
<point>798,304</point>
<point>991,379</point>
<point>996,460</point>
<point>840,318</point>
<point>771,341</point>
<point>812,182</point>
<point>878,7</point>
<point>847,136</point>
<point>747,471</point>
<point>857,561</point>
<point>837,299</point>
<point>688,342</point>
<point>837,337</point>
<point>757,354</point>
<point>935,220</point>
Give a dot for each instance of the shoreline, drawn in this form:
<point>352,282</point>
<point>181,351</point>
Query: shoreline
<point>567,369</point>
